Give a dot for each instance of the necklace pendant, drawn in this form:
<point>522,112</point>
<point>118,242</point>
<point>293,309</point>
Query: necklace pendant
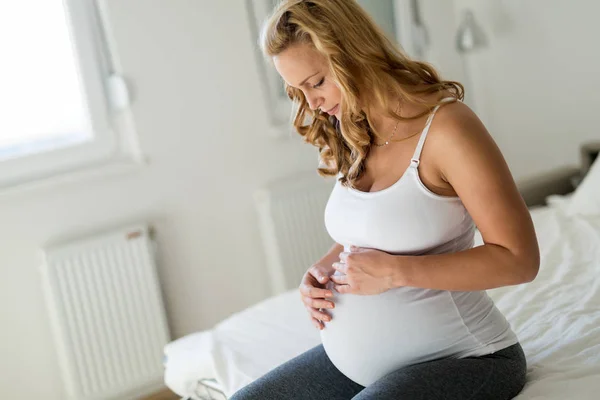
<point>387,142</point>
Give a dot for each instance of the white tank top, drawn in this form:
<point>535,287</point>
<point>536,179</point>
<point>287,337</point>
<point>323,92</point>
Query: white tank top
<point>371,336</point>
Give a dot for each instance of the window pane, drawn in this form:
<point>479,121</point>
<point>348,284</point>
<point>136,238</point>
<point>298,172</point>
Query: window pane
<point>41,99</point>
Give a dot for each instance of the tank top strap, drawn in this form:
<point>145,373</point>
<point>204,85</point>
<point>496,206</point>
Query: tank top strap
<point>416,158</point>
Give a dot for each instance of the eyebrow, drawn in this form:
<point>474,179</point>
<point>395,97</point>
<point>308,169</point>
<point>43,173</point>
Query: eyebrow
<point>304,81</point>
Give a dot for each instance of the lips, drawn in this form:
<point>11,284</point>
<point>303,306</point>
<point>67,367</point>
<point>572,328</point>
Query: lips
<point>333,109</point>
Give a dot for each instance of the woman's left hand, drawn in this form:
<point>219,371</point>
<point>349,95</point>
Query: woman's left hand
<point>366,271</point>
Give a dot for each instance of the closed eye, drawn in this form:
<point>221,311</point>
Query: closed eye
<point>319,84</point>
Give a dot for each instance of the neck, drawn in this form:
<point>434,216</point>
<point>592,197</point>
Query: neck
<point>382,122</point>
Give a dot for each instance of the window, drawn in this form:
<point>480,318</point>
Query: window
<point>61,103</point>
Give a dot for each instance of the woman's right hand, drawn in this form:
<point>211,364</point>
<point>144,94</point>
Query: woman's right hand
<point>313,293</point>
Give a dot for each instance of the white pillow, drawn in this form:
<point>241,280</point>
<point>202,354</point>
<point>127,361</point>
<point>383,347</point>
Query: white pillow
<point>586,199</point>
<point>559,201</point>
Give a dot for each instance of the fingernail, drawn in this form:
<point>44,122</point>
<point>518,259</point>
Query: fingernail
<point>328,294</point>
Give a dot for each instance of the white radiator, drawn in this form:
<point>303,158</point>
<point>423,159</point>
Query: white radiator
<point>107,314</point>
<point>291,216</point>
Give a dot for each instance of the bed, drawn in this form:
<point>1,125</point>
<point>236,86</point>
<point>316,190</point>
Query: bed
<point>556,317</point>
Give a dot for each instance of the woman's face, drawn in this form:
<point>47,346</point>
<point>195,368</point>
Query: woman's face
<point>302,67</point>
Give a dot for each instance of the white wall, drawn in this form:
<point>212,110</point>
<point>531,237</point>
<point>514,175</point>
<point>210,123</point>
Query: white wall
<point>537,84</point>
<point>438,16</point>
<point>201,119</point>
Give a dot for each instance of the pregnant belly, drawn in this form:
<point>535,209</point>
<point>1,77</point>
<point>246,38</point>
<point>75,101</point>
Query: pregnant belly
<point>371,336</point>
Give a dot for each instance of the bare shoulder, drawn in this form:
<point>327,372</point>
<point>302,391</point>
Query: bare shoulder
<point>457,133</point>
<point>454,120</point>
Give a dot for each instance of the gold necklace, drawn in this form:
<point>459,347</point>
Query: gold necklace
<point>393,132</point>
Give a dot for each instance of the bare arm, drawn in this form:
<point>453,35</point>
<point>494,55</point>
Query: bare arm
<point>469,160</point>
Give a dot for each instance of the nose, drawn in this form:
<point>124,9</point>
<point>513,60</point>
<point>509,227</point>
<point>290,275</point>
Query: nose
<point>314,102</point>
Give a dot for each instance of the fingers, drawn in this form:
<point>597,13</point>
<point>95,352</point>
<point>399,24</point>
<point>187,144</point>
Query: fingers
<point>317,303</point>
<point>340,266</point>
<point>352,254</point>
<point>343,288</point>
<point>344,256</point>
<point>319,314</point>
<point>314,298</point>
<point>317,293</point>
<point>318,324</point>
<point>314,301</point>
<point>320,275</point>
<point>340,279</point>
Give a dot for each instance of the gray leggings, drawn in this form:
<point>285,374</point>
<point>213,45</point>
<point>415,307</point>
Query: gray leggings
<point>312,376</point>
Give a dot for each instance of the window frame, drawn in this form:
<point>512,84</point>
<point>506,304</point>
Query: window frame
<point>106,103</point>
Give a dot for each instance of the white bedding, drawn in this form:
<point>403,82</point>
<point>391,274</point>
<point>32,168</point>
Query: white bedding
<point>556,317</point>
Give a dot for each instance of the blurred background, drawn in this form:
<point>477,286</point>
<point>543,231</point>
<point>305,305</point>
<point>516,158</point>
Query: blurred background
<point>185,125</point>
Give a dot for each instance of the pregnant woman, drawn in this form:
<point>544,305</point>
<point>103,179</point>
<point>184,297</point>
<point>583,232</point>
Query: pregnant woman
<point>400,298</point>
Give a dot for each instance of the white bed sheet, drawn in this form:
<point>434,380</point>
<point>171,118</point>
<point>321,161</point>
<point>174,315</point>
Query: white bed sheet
<point>186,360</point>
<point>556,317</point>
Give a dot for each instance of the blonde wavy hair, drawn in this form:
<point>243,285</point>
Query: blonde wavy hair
<point>359,56</point>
